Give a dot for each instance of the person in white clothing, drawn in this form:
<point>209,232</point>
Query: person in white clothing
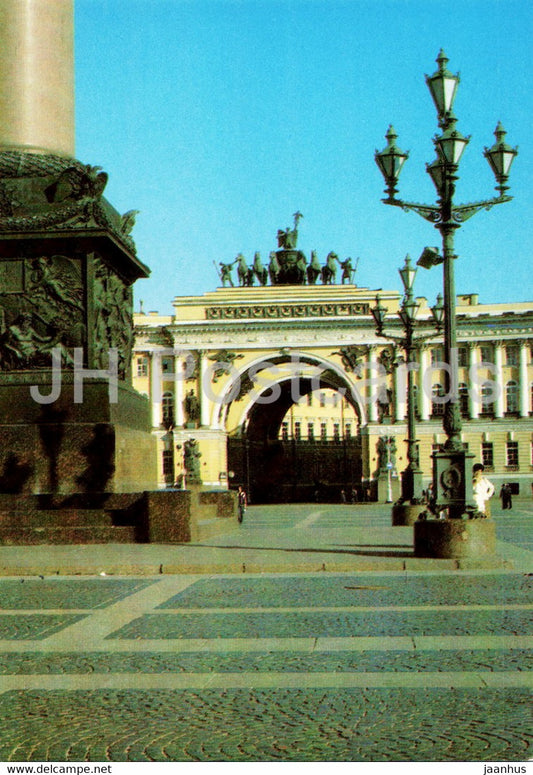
<point>483,489</point>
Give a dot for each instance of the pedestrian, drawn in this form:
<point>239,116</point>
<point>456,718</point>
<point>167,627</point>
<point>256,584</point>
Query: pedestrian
<point>507,496</point>
<point>343,496</point>
<point>242,502</point>
<point>483,490</point>
<point>354,495</point>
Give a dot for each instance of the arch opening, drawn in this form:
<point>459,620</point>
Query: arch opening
<point>275,467</point>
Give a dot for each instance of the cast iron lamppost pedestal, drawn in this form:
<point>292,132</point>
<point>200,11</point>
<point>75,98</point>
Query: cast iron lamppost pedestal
<point>460,533</point>
<point>412,502</point>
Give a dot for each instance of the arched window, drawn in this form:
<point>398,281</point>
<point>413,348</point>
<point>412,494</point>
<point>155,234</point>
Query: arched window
<point>437,406</point>
<point>167,407</point>
<point>511,397</point>
<point>487,398</point>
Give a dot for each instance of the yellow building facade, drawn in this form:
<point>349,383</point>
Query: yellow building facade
<point>265,370</point>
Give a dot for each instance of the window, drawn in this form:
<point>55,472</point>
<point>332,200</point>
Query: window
<point>335,399</point>
<point>309,399</point>
<point>511,397</point>
<point>142,366</point>
<point>323,431</point>
<point>487,353</point>
<point>284,431</point>
<point>463,399</point>
<point>348,430</point>
<point>437,355</point>
<point>167,407</point>
<point>487,399</point>
<point>168,465</point>
<point>167,365</point>
<point>487,454</point>
<point>437,407</point>
<point>336,431</point>
<point>462,356</point>
<point>322,399</point>
<point>511,454</point>
<point>298,431</point>
<point>512,355</point>
<point>311,431</point>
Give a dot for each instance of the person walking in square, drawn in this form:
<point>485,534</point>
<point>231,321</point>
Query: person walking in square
<point>242,502</point>
<point>506,496</point>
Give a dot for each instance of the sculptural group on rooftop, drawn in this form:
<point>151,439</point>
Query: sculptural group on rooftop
<point>287,265</point>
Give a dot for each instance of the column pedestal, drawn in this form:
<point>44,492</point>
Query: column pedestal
<point>455,538</point>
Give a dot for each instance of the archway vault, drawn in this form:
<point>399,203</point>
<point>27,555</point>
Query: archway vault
<point>276,382</point>
<point>273,469</point>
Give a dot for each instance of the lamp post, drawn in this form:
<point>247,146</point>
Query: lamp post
<point>452,465</point>
<point>411,502</point>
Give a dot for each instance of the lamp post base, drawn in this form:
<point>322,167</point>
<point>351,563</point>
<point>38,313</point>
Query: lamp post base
<point>407,513</point>
<point>455,538</point>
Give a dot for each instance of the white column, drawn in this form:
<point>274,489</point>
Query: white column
<point>400,392</point>
<point>179,395</point>
<point>523,380</point>
<point>204,388</point>
<point>155,388</point>
<point>499,403</point>
<point>372,389</point>
<point>424,399</point>
<point>474,388</point>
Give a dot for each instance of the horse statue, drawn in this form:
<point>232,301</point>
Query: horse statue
<point>244,273</point>
<point>273,268</point>
<point>301,268</point>
<point>314,270</point>
<point>329,270</point>
<point>259,270</point>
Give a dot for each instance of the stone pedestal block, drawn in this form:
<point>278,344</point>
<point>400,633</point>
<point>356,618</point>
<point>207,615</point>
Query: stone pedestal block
<point>406,513</point>
<point>455,538</point>
<point>68,447</point>
<point>168,517</point>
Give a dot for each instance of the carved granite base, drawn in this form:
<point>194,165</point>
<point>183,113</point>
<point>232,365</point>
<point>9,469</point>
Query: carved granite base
<point>69,447</point>
<point>160,516</point>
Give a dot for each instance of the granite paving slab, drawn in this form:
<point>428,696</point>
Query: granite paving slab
<point>353,724</point>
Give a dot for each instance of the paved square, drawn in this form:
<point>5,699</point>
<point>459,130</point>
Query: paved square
<point>376,658</point>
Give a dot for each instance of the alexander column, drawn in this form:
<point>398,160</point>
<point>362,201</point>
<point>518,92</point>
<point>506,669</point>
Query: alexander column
<point>37,76</point>
<point>70,421</point>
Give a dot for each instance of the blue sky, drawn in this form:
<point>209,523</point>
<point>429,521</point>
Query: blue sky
<point>218,119</point>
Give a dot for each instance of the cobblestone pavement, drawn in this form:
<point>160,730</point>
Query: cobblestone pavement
<point>315,666</point>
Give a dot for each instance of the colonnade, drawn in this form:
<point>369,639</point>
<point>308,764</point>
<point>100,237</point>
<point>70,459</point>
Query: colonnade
<point>396,380</point>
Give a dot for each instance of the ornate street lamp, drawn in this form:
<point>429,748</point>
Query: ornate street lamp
<point>443,88</point>
<point>406,511</point>
<point>500,158</point>
<point>390,161</point>
<point>452,466</point>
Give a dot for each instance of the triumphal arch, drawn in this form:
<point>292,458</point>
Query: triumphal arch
<point>283,386</point>
<point>277,380</point>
